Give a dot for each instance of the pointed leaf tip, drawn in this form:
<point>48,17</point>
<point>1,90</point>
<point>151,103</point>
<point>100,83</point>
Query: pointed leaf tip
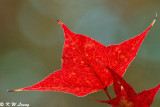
<point>10,90</point>
<point>59,22</point>
<point>14,90</point>
<point>154,20</point>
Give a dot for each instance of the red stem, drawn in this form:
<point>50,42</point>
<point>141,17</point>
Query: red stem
<point>106,91</point>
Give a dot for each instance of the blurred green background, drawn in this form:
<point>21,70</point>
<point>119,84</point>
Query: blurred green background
<point>31,44</point>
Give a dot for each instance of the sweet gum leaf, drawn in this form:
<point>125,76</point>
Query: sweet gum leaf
<point>81,71</point>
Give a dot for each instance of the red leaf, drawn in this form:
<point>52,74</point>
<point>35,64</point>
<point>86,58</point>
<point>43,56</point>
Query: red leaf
<point>82,73</point>
<point>127,97</point>
<point>145,98</point>
<point>125,93</point>
<point>117,80</point>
